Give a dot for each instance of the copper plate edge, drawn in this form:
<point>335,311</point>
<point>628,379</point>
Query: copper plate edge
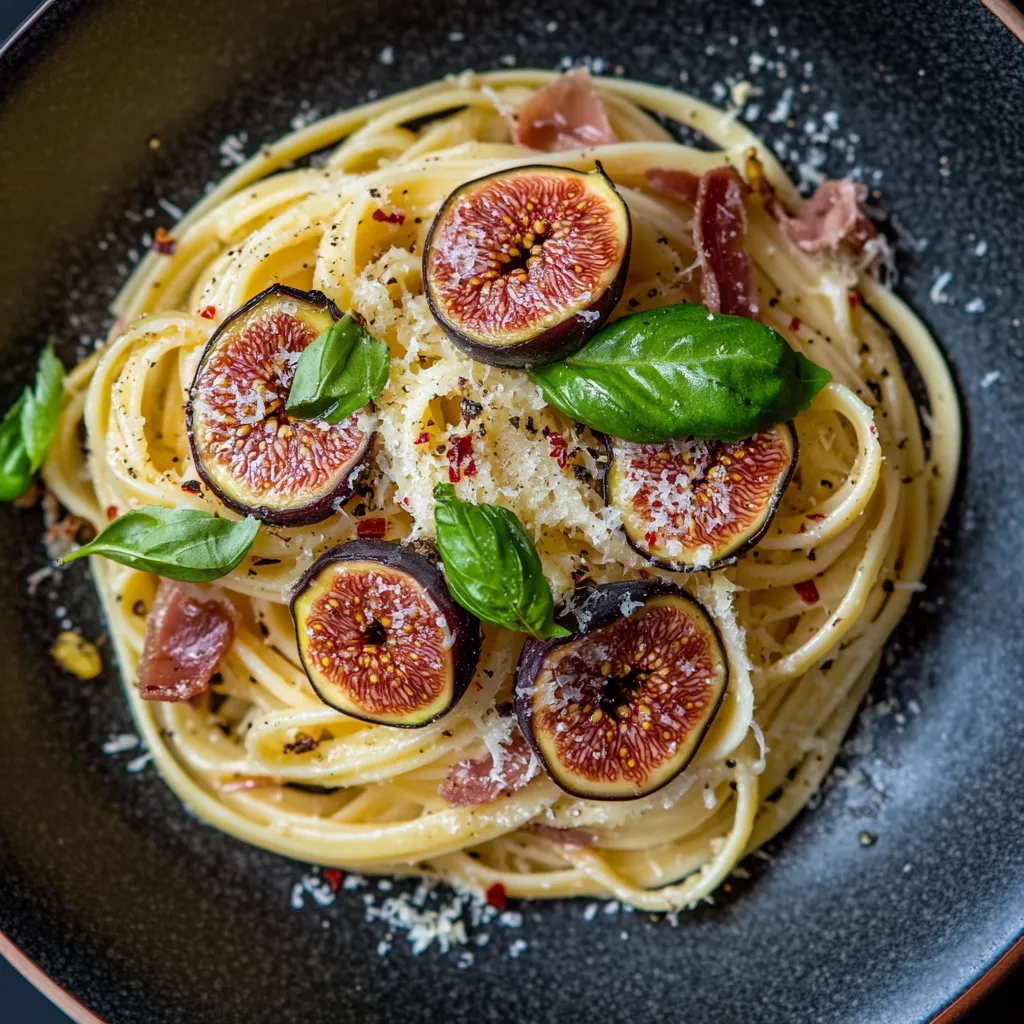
<point>33,973</point>
<point>985,983</point>
<point>1008,14</point>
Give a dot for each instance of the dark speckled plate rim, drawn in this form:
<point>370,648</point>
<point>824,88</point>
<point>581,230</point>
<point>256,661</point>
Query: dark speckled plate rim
<point>1008,960</point>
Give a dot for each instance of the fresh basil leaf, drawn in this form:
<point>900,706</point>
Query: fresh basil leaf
<point>343,370</point>
<point>41,410</point>
<point>181,544</point>
<point>492,567</point>
<point>812,376</point>
<point>680,371</point>
<point>15,466</point>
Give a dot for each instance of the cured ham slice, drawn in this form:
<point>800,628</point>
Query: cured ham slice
<point>677,184</point>
<point>187,633</point>
<point>477,781</point>
<point>831,216</point>
<point>567,838</point>
<point>719,227</point>
<point>564,114</point>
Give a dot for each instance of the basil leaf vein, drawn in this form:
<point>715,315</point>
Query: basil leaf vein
<point>182,544</point>
<point>678,371</point>
<point>343,370</point>
<point>492,567</point>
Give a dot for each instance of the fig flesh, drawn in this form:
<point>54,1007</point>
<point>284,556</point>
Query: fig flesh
<point>521,267</point>
<point>618,709</point>
<point>690,505</point>
<point>255,457</point>
<point>379,636</point>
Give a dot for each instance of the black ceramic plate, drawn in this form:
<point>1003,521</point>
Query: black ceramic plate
<point>144,914</point>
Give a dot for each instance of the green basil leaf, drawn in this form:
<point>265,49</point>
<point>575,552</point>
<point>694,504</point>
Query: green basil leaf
<point>492,567</point>
<point>680,371</point>
<point>15,466</point>
<point>41,410</point>
<point>181,544</point>
<point>343,370</point>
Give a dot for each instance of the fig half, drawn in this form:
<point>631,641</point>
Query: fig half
<point>618,709</point>
<point>255,457</point>
<point>521,267</point>
<point>380,637</point>
<point>690,505</point>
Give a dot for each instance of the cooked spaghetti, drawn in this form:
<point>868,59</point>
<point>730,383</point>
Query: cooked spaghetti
<point>803,618</point>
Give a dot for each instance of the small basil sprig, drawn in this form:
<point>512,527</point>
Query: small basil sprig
<point>42,407</point>
<point>181,544</point>
<point>492,567</point>
<point>680,371</point>
<point>29,427</point>
<point>345,368</point>
<point>15,465</point>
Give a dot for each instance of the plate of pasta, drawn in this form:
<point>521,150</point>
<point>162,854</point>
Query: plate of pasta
<point>501,490</point>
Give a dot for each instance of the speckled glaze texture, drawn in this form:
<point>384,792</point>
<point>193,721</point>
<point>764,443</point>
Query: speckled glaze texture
<point>146,915</point>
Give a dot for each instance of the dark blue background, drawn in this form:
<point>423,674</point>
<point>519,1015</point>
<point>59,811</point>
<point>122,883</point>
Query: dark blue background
<point>20,1003</point>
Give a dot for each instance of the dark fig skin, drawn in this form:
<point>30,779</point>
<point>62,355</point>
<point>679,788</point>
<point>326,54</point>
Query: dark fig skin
<point>602,605</point>
<point>464,627</point>
<point>731,558</point>
<point>554,343</point>
<point>301,515</point>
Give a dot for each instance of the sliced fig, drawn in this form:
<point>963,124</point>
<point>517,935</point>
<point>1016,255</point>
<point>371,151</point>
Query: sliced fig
<point>618,709</point>
<point>691,505</point>
<point>523,266</point>
<point>254,456</point>
<point>379,636</point>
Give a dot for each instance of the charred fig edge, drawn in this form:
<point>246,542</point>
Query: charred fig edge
<point>461,624</point>
<point>608,602</point>
<point>303,515</point>
<point>554,343</point>
<point>733,556</point>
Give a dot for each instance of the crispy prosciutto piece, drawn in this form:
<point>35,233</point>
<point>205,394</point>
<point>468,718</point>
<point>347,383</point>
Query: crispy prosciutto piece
<point>831,216</point>
<point>719,227</point>
<point>477,781</point>
<point>677,184</point>
<point>564,114</point>
<point>187,632</point>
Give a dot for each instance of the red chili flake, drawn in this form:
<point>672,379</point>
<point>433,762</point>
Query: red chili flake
<point>853,298</point>
<point>815,516</point>
<point>460,450</point>
<point>873,429</point>
<point>424,438</point>
<point>559,450</point>
<point>808,592</point>
<point>333,877</point>
<point>162,242</point>
<point>389,218</point>
<point>372,528</point>
<point>192,486</point>
<point>496,896</point>
<point>794,324</point>
<point>111,512</point>
<point>406,502</point>
<point>208,312</point>
<point>651,537</point>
